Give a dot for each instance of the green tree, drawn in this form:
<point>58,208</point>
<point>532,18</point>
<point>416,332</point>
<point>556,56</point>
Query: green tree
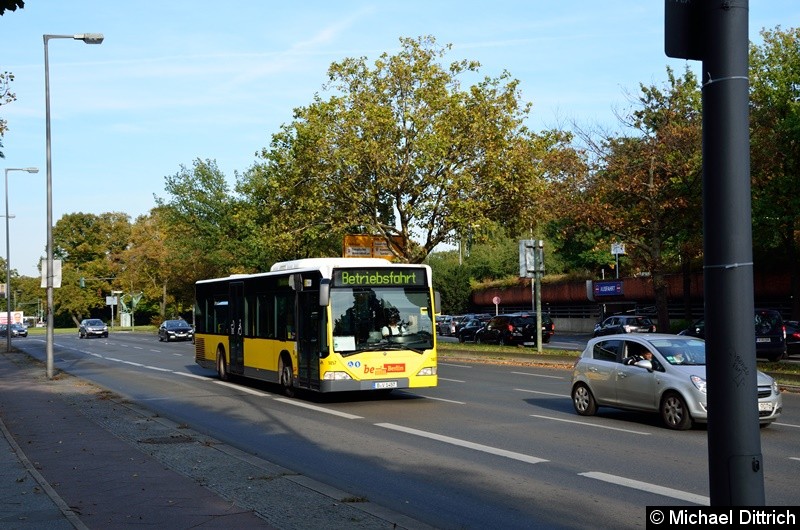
<point>775,151</point>
<point>402,150</point>
<point>90,247</point>
<point>645,190</point>
<point>204,223</point>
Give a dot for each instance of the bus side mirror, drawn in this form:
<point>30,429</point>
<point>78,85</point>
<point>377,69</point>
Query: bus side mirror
<point>437,302</point>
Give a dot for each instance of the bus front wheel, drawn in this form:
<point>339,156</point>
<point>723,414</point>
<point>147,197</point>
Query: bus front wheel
<point>286,377</point>
<point>222,366</point>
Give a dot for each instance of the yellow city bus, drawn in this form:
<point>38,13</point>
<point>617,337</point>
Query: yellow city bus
<point>319,324</point>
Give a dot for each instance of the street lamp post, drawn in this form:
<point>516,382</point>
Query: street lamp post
<point>88,38</point>
<point>8,257</point>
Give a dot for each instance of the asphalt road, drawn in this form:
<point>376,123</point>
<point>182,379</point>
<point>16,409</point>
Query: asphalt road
<point>491,446</point>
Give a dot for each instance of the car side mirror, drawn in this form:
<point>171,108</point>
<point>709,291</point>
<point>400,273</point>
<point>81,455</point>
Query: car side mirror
<point>644,363</point>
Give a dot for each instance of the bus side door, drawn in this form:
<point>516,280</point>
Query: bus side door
<point>308,322</point>
<point>236,327</point>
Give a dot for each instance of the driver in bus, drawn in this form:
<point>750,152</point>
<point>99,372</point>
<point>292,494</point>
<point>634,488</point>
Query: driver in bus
<point>393,327</point>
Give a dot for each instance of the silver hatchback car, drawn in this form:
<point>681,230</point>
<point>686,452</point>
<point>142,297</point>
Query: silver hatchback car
<point>655,372</point>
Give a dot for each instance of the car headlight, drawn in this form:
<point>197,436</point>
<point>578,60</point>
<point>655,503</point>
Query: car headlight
<point>699,382</point>
<point>775,388</point>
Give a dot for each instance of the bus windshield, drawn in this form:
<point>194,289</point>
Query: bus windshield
<point>373,318</point>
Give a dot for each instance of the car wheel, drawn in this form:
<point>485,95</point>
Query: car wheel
<point>160,338</point>
<point>674,412</point>
<point>80,335</point>
<point>460,338</point>
<point>583,400</point>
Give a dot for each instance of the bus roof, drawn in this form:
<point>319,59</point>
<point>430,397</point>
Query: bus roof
<point>324,265</point>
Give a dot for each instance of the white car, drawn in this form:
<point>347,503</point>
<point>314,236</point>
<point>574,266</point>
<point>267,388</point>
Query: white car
<point>613,372</point>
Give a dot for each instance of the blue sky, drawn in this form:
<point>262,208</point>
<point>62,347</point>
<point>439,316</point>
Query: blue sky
<point>177,80</point>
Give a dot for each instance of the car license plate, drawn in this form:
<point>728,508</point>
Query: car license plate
<point>385,384</point>
<point>763,339</point>
<point>765,407</point>
<point>529,344</point>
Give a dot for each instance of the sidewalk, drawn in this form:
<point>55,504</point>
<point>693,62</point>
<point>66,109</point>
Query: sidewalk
<point>74,456</point>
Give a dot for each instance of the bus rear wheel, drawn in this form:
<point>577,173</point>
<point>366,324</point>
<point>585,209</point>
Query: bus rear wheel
<point>222,366</point>
<point>286,376</point>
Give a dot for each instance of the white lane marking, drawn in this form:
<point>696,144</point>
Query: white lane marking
<point>538,375</point>
<point>542,393</point>
<point>794,458</point>
<point>319,409</point>
<point>786,425</point>
<point>590,424</point>
<point>194,376</point>
<point>452,380</point>
<point>159,369</point>
<point>242,388</point>
<point>140,365</point>
<point>446,400</point>
<point>463,443</point>
<point>456,365</point>
<point>650,488</point>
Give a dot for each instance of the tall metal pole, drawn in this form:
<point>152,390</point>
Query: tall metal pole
<point>736,471</point>
<point>88,38</point>
<point>8,258</point>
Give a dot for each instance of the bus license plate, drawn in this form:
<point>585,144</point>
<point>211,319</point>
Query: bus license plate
<point>385,384</point>
<point>765,407</point>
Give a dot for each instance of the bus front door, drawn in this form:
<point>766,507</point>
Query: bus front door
<point>236,327</point>
<point>308,344</point>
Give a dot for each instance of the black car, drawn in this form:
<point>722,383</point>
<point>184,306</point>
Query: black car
<point>467,330</point>
<point>624,324</point>
<point>792,337</point>
<point>92,327</point>
<point>18,330</point>
<point>772,335</point>
<point>461,321</point>
<point>170,330</point>
<point>514,328</point>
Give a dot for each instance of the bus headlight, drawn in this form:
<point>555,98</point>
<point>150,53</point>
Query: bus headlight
<point>336,376</point>
<point>429,370</point>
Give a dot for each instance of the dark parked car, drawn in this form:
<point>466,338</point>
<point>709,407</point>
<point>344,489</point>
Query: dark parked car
<point>92,327</point>
<point>771,334</point>
<point>792,337</point>
<point>624,324</point>
<point>170,330</point>
<point>515,328</point>
<point>18,330</point>
<point>460,321</point>
<point>467,331</point>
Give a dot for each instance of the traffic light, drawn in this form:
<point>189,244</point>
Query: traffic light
<point>82,282</point>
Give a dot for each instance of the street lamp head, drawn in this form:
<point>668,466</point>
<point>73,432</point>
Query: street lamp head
<point>31,169</point>
<point>90,38</point>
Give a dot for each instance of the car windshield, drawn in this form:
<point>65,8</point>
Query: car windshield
<point>176,324</point>
<point>94,322</point>
<point>682,352</point>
